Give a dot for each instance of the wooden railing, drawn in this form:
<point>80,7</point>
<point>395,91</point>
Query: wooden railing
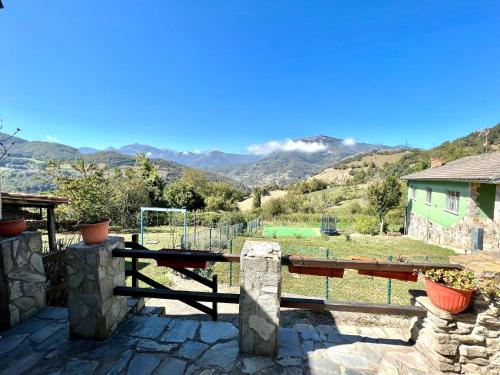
<point>193,298</point>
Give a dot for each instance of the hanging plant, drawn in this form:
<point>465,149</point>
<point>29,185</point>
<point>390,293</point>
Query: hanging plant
<point>397,275</point>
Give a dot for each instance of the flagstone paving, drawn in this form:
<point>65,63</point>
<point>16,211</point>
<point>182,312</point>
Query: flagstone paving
<point>152,344</point>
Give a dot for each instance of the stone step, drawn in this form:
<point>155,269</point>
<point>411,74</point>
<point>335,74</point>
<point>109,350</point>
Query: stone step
<point>153,311</point>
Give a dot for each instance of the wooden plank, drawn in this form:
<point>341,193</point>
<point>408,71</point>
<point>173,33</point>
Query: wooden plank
<point>51,228</point>
<point>195,276</point>
<point>177,294</point>
<point>158,286</point>
<point>363,265</point>
<point>196,255</point>
<point>322,305</point>
<point>182,255</point>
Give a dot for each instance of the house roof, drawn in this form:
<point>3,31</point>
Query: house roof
<point>30,200</point>
<point>479,168</point>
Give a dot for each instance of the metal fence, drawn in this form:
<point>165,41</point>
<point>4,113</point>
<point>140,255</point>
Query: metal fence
<point>351,287</point>
<point>217,239</point>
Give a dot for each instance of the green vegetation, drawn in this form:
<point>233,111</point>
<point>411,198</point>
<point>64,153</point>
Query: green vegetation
<point>383,197</point>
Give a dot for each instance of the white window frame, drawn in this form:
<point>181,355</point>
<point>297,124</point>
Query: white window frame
<point>413,192</point>
<point>452,201</point>
<point>428,196</point>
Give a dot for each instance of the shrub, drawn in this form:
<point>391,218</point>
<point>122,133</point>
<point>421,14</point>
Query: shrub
<point>366,224</point>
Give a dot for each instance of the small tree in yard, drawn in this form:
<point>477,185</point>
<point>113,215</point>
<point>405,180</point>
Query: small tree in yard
<point>383,197</point>
<point>257,197</point>
<point>6,144</point>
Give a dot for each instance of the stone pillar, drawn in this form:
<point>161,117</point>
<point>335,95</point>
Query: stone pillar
<point>260,295</point>
<point>22,278</point>
<point>92,274</point>
<point>467,343</point>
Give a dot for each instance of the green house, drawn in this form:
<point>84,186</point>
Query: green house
<point>456,204</point>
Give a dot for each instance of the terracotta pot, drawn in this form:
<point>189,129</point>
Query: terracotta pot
<point>12,227</point>
<point>181,263</point>
<point>448,299</point>
<point>403,276</point>
<point>317,271</point>
<point>95,233</point>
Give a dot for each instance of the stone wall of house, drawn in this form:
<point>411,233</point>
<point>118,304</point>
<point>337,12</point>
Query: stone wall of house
<point>467,343</point>
<point>458,236</point>
<point>22,278</point>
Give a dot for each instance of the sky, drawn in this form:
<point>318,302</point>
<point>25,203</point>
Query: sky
<point>239,75</point>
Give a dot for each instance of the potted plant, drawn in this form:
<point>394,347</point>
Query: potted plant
<point>95,231</point>
<point>450,290</point>
<point>8,227</point>
<point>397,275</point>
<point>315,271</point>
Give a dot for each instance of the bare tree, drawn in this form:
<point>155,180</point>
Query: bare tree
<point>7,141</point>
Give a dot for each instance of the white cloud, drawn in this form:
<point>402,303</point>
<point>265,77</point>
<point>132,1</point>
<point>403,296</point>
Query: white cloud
<point>51,138</point>
<point>349,142</point>
<point>149,153</point>
<point>286,145</point>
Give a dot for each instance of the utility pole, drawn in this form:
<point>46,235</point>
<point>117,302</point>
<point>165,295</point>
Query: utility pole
<point>485,132</point>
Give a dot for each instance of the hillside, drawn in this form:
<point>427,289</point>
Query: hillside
<point>23,171</point>
<point>285,167</point>
<point>365,166</point>
<point>199,159</point>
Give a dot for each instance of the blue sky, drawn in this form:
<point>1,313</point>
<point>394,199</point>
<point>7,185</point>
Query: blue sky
<point>229,74</point>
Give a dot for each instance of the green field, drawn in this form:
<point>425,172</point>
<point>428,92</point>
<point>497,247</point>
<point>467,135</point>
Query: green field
<point>273,231</point>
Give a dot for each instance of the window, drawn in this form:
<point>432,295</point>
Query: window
<point>452,199</point>
<point>428,196</point>
<point>413,193</point>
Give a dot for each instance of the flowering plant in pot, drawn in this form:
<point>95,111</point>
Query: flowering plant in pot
<point>450,290</point>
<point>9,227</point>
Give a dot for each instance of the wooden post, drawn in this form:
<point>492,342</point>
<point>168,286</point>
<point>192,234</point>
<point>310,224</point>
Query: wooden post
<point>51,228</point>
<point>214,303</point>
<point>135,261</point>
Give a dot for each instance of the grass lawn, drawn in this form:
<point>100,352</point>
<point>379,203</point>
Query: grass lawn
<point>352,287</point>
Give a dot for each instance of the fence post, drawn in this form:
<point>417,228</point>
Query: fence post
<point>389,285</point>
<point>327,254</point>
<point>210,239</point>
<point>214,303</point>
<point>135,261</point>
<point>230,246</point>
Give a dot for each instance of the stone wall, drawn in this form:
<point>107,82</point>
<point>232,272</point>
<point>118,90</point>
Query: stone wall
<point>260,297</point>
<point>458,236</point>
<point>467,343</point>
<point>22,278</point>
<point>94,311</point>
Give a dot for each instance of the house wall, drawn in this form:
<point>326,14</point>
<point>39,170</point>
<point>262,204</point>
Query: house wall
<point>479,206</point>
<point>436,212</point>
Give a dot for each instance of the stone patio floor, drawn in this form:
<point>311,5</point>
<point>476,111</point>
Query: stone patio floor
<point>150,343</point>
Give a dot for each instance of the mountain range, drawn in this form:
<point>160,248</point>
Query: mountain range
<point>199,159</point>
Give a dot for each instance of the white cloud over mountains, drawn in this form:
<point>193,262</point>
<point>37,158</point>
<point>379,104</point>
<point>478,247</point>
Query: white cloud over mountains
<point>349,141</point>
<point>286,145</point>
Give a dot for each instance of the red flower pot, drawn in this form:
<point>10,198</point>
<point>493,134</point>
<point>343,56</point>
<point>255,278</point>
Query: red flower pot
<point>12,227</point>
<point>403,276</point>
<point>448,299</point>
<point>317,271</point>
<point>95,233</point>
<point>181,263</point>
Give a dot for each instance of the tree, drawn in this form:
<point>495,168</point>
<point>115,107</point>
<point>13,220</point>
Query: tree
<point>6,144</point>
<point>384,196</point>
<point>181,195</point>
<point>257,197</point>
